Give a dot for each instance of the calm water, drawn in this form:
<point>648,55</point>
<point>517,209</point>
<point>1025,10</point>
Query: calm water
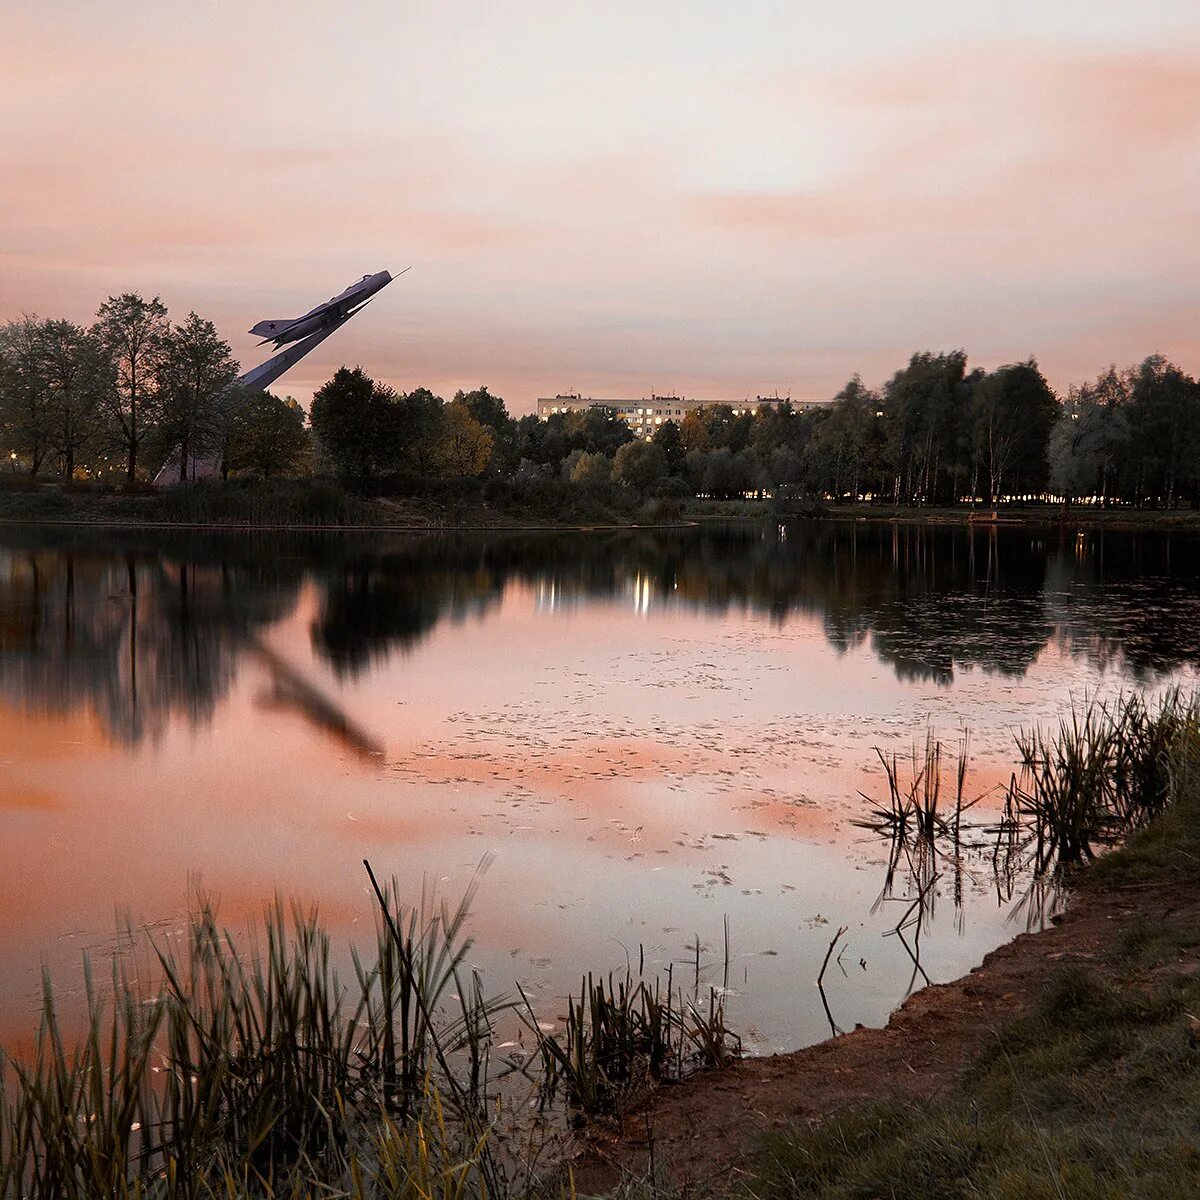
<point>649,731</point>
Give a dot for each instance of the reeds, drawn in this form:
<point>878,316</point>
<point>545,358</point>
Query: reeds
<point>255,1070</point>
<point>623,1033</point>
<point>914,802</point>
<point>1104,771</point>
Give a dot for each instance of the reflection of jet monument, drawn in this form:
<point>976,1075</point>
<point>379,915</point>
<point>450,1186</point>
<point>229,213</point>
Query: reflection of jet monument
<point>299,335</point>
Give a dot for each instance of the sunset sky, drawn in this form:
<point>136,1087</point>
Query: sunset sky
<point>716,199</point>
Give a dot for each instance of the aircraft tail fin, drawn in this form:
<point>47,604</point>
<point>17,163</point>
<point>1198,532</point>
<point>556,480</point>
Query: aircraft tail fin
<point>268,329</point>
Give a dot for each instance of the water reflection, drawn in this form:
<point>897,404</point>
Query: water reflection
<point>140,631</point>
<point>132,638</point>
<point>652,730</point>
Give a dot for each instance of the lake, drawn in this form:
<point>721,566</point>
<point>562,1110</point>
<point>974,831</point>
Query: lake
<point>647,732</point>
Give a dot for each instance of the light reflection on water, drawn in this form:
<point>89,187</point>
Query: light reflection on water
<point>650,729</point>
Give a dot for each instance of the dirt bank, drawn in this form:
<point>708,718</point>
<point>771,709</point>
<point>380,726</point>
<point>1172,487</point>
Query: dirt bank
<point>705,1134</point>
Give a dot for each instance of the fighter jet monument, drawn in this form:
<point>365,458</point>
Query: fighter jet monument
<point>299,335</point>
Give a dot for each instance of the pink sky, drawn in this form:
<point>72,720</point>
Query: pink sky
<point>718,199</point>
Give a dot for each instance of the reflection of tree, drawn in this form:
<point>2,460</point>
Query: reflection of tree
<point>134,638</point>
<point>1134,597</point>
<point>930,599</point>
<point>372,607</point>
<point>140,632</point>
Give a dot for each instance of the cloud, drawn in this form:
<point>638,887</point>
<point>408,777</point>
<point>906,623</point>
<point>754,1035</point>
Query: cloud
<point>613,220</point>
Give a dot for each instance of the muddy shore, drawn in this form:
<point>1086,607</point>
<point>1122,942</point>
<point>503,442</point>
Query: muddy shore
<point>707,1134</point>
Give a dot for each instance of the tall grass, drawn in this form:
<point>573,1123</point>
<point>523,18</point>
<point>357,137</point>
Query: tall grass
<point>622,1033</point>
<point>915,792</point>
<point>253,1068</point>
<point>279,502</point>
<point>256,1070</point>
<point>1104,771</point>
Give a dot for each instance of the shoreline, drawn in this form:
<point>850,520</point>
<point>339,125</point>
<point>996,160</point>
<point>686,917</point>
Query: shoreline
<point>722,1130</point>
<point>410,516</point>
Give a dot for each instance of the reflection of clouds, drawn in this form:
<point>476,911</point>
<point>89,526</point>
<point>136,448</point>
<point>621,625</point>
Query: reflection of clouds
<point>16,797</point>
<point>643,775</point>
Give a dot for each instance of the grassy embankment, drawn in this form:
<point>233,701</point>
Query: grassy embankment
<point>1094,1091</point>
<point>328,504</point>
<point>432,504</point>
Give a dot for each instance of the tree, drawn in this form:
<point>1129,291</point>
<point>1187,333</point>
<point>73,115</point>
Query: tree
<point>491,412</point>
<point>420,423</point>
<point>131,331</point>
<point>640,465</point>
<point>925,404</point>
<point>266,434</point>
<point>846,442</point>
<point>1078,447</point>
<point>693,432</point>
<point>487,409</point>
<point>464,445</point>
<point>670,441</point>
<point>25,401</point>
<point>592,470</point>
<point>1164,413</point>
<point>724,475</point>
<point>358,424</point>
<point>597,431</point>
<point>196,370</point>
<point>784,469</point>
<point>77,375</point>
<point>1012,411</point>
<point>1091,440</point>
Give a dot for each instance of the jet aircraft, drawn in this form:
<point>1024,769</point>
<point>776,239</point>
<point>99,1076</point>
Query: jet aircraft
<point>329,315</point>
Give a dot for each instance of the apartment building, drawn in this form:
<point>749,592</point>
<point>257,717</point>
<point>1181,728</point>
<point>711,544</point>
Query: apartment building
<point>647,415</point>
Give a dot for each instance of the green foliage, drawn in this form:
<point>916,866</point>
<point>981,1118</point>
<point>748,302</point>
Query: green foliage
<point>1092,1093</point>
<point>625,1032</point>
<point>264,434</point>
<point>255,1070</point>
<point>247,501</point>
<point>669,440</point>
<point>131,330</point>
<point>358,424</point>
<point>196,371</point>
<point>591,470</point>
<point>464,444</point>
<point>1106,770</point>
<point>639,465</point>
<point>133,388</point>
<point>1013,411</point>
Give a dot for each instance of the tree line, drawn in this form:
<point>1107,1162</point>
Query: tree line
<point>121,396</point>
<point>936,433</point>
